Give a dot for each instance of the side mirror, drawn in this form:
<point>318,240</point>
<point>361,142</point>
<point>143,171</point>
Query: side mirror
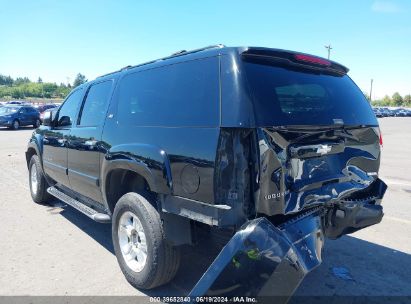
<point>48,118</point>
<point>64,121</point>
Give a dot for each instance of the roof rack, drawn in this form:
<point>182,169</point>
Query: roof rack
<point>184,52</point>
<point>176,54</point>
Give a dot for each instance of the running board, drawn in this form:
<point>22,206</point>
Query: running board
<point>91,213</point>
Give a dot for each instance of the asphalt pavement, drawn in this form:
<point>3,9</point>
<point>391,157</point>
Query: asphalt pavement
<point>55,250</point>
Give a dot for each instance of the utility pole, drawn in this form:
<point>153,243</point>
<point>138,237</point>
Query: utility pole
<point>329,48</point>
<point>371,90</point>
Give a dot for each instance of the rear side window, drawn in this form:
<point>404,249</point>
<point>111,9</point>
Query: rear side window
<point>285,96</point>
<point>95,106</point>
<point>183,94</point>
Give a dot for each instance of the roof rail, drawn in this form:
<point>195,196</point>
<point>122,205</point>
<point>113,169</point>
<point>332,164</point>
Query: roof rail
<point>126,67</point>
<point>184,52</point>
<point>176,54</point>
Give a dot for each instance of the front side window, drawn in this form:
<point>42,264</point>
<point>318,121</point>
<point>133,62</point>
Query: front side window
<point>95,105</point>
<point>183,94</point>
<point>68,110</point>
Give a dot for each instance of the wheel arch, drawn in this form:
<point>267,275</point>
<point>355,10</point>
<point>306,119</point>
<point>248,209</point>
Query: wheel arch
<point>16,119</point>
<point>120,181</point>
<point>34,147</point>
<point>136,167</point>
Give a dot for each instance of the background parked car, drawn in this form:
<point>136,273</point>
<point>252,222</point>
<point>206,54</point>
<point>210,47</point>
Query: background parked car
<point>391,112</point>
<point>43,108</point>
<point>378,112</point>
<point>14,116</point>
<point>385,112</point>
<point>42,115</point>
<point>16,102</point>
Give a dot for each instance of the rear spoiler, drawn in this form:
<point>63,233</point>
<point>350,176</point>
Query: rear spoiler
<point>294,59</point>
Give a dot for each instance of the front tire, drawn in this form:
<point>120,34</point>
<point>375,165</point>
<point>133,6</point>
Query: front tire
<point>146,259</point>
<point>37,123</point>
<point>37,182</point>
<point>15,125</point>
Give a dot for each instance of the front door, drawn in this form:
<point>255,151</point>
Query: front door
<point>84,145</point>
<point>55,139</point>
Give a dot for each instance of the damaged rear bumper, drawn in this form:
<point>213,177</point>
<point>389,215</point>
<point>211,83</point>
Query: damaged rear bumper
<point>263,260</point>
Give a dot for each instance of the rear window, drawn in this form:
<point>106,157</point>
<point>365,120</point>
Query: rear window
<point>284,96</point>
<point>177,95</point>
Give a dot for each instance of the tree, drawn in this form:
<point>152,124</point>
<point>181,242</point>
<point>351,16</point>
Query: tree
<point>20,80</point>
<point>80,79</point>
<point>17,93</point>
<point>397,99</point>
<point>39,80</point>
<point>23,87</point>
<point>407,99</point>
<point>386,101</point>
<point>6,80</point>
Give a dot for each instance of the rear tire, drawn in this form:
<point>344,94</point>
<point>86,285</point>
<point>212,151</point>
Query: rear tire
<point>37,182</point>
<point>135,220</point>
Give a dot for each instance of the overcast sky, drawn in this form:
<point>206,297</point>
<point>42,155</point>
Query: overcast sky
<point>57,39</point>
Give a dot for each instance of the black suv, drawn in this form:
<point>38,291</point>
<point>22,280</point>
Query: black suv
<point>275,149</point>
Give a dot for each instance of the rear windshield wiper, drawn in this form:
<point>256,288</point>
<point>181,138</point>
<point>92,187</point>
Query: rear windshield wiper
<point>312,130</point>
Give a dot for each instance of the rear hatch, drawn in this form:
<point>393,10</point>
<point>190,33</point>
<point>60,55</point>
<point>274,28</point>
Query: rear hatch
<point>318,138</point>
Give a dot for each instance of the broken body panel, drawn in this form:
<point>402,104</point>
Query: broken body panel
<point>262,260</point>
<point>328,167</point>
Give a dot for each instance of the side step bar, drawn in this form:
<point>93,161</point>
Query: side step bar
<point>91,213</point>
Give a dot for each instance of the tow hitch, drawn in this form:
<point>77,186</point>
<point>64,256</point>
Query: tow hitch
<point>263,261</point>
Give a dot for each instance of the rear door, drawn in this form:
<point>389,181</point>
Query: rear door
<point>55,139</point>
<point>24,116</point>
<point>84,145</point>
<point>33,115</point>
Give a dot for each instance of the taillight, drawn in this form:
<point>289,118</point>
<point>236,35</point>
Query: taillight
<point>312,59</point>
<point>379,134</point>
